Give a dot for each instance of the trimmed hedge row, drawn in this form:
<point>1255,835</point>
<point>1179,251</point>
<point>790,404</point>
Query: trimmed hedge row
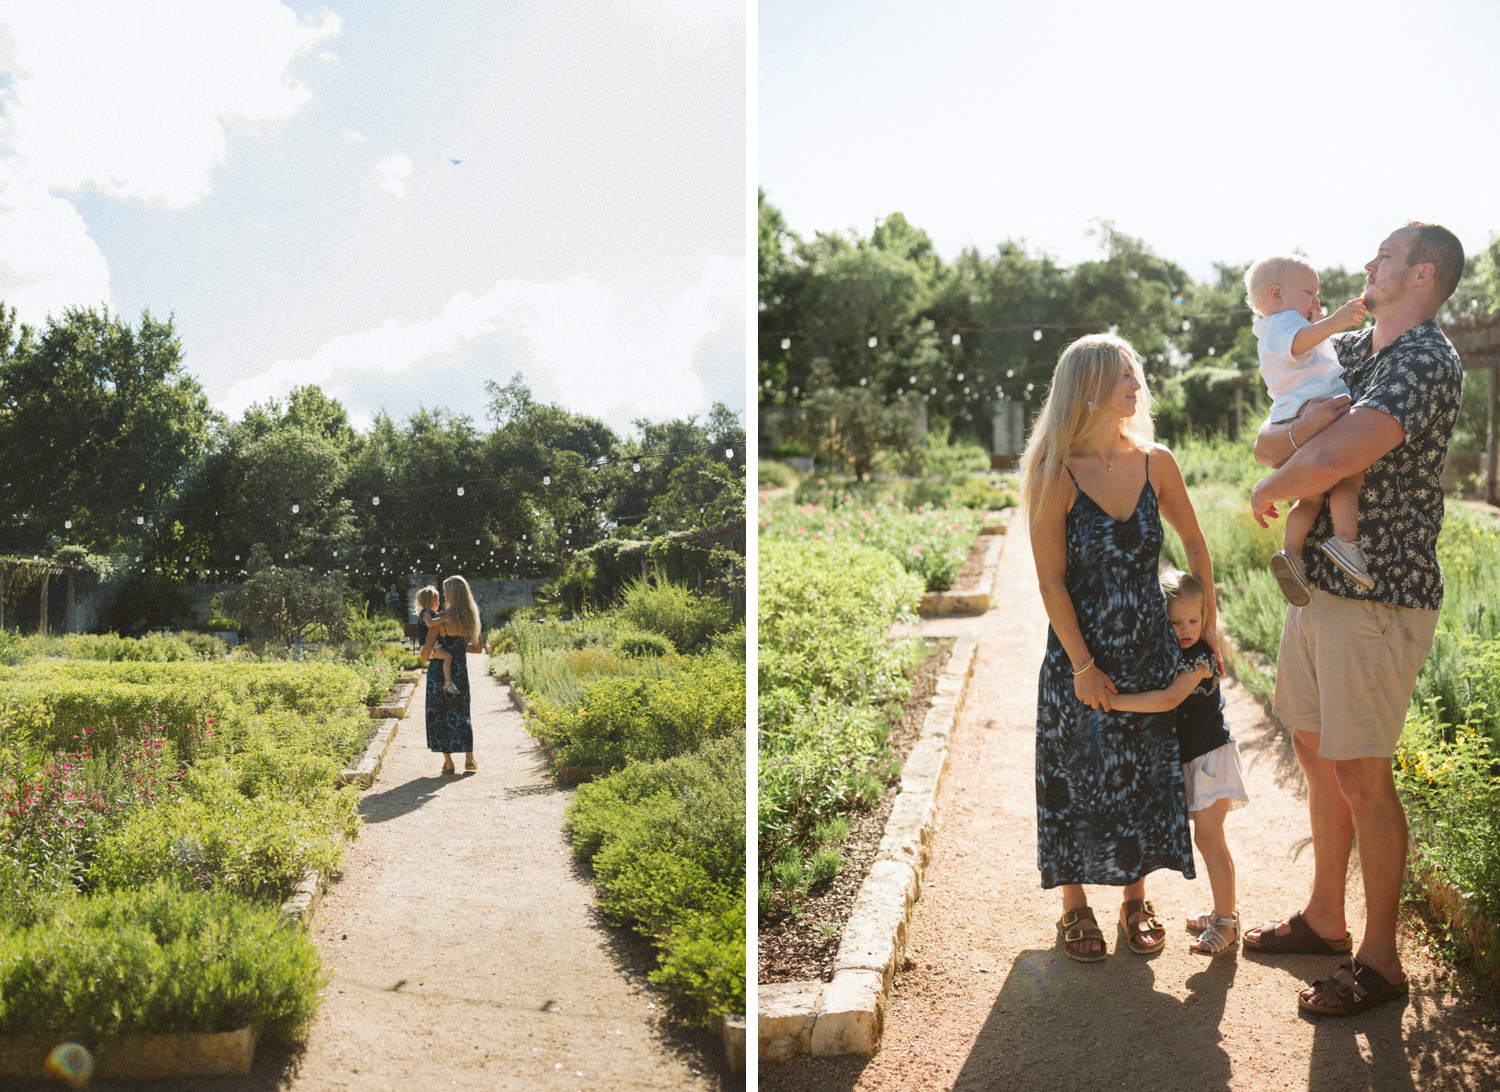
<point>50,706</point>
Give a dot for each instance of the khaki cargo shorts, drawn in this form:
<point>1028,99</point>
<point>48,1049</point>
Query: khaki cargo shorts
<point>1347,669</point>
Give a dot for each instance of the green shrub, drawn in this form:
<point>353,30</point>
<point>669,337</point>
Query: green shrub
<point>561,676</point>
<point>825,612</point>
<point>934,543</point>
<point>684,617</point>
<point>50,703</point>
<point>774,475</point>
<point>636,642</point>
<point>212,836</point>
<point>624,718</point>
<point>158,959</point>
<point>666,841</point>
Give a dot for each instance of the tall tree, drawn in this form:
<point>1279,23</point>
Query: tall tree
<point>100,425</point>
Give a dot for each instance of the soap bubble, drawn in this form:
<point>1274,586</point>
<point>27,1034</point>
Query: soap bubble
<point>72,1062</point>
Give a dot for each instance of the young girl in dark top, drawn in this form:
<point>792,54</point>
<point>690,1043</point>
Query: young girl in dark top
<point>427,607</point>
<point>1210,759</point>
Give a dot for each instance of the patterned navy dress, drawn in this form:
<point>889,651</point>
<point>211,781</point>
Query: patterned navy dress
<point>1109,798</point>
<point>449,728</point>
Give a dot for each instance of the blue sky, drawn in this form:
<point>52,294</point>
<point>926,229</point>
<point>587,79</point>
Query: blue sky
<point>1216,132</point>
<point>278,177</point>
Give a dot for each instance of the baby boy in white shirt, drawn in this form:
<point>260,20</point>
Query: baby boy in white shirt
<point>1298,363</point>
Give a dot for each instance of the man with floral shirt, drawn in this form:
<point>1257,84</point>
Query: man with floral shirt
<point>1349,658</point>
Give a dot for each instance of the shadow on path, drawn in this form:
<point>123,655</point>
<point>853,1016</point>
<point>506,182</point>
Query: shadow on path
<point>399,800</point>
<point>1056,1026</point>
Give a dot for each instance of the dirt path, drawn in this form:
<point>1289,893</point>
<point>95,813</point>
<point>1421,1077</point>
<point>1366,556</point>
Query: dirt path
<point>988,1003</point>
<point>464,949</point>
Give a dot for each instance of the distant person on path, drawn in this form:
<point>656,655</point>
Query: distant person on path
<point>393,602</point>
<point>1110,799</point>
<point>1210,759</point>
<point>456,630</point>
<point>1349,658</point>
<point>1298,363</point>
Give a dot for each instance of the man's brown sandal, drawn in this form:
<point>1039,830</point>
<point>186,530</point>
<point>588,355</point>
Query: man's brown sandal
<point>1077,927</point>
<point>1378,990</point>
<point>1138,918</point>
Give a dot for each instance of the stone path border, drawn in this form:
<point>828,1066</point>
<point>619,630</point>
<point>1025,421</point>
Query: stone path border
<point>975,600</point>
<point>847,1015</point>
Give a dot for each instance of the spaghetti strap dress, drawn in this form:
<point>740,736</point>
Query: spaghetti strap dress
<point>1110,806</point>
<point>449,726</point>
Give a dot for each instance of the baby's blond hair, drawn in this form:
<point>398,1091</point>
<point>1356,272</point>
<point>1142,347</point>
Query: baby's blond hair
<point>427,597</point>
<point>1176,584</point>
<point>1261,276</point>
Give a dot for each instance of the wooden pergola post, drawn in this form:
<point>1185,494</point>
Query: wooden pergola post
<point>69,612</point>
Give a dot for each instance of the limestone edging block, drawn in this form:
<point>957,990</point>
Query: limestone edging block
<point>369,765</point>
<point>851,1018</point>
<point>975,600</point>
<point>144,1057</point>
<point>788,1011</point>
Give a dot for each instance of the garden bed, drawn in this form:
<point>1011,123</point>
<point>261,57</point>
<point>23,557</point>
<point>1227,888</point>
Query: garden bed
<point>801,947</point>
<point>159,814</point>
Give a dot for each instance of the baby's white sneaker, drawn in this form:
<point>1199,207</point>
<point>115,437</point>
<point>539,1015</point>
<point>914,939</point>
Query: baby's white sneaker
<point>1351,559</point>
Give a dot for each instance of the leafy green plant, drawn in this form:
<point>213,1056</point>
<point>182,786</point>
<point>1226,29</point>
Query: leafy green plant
<point>640,643</point>
<point>213,836</point>
<point>666,841</point>
<point>931,542</point>
<point>621,718</point>
<point>684,617</point>
<point>157,959</point>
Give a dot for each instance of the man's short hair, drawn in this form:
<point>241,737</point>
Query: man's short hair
<point>1436,244</point>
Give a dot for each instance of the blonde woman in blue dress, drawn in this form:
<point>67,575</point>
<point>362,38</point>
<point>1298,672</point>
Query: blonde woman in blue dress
<point>1110,800</point>
<point>450,728</point>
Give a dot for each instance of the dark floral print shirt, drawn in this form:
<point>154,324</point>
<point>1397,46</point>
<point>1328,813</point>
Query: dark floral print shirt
<point>1418,380</point>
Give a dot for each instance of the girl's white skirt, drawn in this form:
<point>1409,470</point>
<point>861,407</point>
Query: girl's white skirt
<point>1215,776</point>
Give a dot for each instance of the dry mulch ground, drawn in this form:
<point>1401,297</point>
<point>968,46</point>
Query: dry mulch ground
<point>968,576</point>
<point>801,947</point>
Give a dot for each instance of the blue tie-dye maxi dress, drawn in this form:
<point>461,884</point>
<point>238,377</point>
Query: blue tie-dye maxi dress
<point>449,728</point>
<point>1110,806</point>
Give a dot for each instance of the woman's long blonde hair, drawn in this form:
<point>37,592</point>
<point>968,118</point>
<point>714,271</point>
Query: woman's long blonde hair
<point>462,611</point>
<point>1082,383</point>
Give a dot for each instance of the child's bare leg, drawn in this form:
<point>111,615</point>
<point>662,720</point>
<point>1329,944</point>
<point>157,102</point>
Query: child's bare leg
<point>1208,836</point>
<point>1299,522</point>
<point>446,658</point>
<point>1343,505</point>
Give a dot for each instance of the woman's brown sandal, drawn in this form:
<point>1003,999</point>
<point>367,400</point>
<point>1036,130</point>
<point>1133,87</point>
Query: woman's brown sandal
<point>1137,918</point>
<point>1078,927</point>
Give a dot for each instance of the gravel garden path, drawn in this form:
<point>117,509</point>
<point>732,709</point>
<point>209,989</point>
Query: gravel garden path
<point>463,947</point>
<point>985,1001</point>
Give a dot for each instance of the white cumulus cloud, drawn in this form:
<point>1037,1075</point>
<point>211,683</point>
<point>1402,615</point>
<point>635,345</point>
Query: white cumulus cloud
<point>131,101</point>
<point>393,173</point>
<point>567,338</point>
